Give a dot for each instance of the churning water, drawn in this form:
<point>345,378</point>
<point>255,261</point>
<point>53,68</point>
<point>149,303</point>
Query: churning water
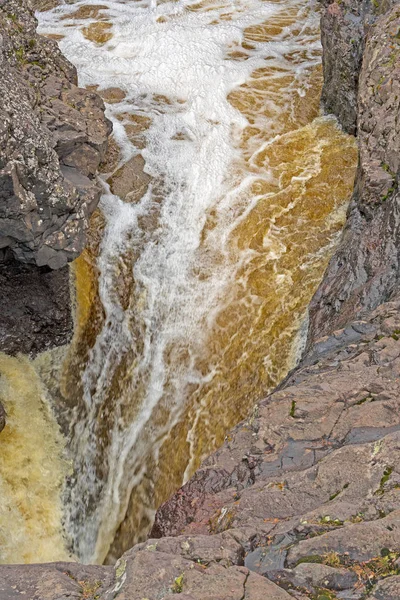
<point>223,201</point>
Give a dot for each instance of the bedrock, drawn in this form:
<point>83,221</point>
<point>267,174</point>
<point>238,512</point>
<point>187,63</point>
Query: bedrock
<point>53,136</point>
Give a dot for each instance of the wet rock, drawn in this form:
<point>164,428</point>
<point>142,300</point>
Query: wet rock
<point>47,122</point>
<point>130,182</point>
<point>303,498</point>
<point>35,312</point>
<point>344,26</point>
<point>365,270</point>
<point>2,417</point>
<point>321,507</point>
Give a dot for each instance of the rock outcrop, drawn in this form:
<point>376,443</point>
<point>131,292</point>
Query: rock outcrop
<point>303,499</point>
<point>309,485</point>
<point>35,312</point>
<point>53,136</point>
<point>365,270</point>
<point>344,26</point>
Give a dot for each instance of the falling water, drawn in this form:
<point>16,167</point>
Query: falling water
<point>224,196</point>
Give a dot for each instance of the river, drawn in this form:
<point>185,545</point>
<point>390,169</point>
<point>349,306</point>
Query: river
<point>225,192</point>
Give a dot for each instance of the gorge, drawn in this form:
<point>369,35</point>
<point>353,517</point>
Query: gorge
<point>224,194</point>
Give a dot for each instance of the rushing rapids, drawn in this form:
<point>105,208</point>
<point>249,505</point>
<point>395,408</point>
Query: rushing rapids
<point>224,197</point>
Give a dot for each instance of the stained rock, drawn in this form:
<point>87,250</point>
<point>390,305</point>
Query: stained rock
<point>318,507</point>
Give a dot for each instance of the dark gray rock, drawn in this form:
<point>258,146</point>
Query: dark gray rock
<point>35,310</point>
<point>53,136</point>
<point>344,25</point>
<point>3,417</point>
<point>47,122</point>
<point>365,270</point>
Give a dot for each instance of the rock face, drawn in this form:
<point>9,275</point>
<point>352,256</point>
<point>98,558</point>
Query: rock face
<point>35,310</point>
<point>53,135</point>
<point>365,270</point>
<point>344,25</point>
<point>303,499</point>
<point>309,485</point>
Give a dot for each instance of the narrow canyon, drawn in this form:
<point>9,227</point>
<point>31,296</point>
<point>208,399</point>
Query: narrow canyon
<point>199,328</point>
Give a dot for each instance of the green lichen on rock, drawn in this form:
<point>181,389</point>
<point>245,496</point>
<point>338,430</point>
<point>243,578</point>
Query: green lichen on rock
<point>120,568</point>
<point>293,409</point>
<point>384,479</point>
<point>177,586</point>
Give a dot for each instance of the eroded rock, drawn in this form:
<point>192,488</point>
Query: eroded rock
<point>365,270</point>
<point>309,485</point>
<point>47,123</point>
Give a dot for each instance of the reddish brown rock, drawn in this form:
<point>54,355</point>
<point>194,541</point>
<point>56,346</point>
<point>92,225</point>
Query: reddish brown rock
<point>130,182</point>
<point>313,474</point>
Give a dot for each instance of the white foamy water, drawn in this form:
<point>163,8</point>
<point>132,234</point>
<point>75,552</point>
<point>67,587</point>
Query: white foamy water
<point>182,277</point>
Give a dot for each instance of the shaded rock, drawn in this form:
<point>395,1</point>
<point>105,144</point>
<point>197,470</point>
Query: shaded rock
<point>344,26</point>
<point>35,312</point>
<point>2,417</point>
<point>365,269</point>
<point>46,122</point>
<point>308,485</point>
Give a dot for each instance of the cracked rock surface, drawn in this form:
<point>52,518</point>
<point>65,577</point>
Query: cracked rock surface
<point>310,484</point>
<point>301,501</point>
<point>53,136</point>
<point>365,270</point>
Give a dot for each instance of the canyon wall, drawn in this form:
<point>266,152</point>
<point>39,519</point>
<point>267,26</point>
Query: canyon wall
<point>53,136</point>
<point>365,269</point>
<point>302,500</point>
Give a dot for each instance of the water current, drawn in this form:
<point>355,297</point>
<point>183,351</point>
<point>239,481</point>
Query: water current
<point>225,191</point>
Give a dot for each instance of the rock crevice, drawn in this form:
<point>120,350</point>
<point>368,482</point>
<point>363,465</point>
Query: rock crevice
<point>303,499</point>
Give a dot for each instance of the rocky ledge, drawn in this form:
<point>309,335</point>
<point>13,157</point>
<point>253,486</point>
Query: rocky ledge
<point>303,499</point>
<point>53,136</point>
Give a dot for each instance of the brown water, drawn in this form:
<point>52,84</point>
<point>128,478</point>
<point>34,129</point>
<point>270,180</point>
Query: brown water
<point>32,469</point>
<point>191,293</point>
